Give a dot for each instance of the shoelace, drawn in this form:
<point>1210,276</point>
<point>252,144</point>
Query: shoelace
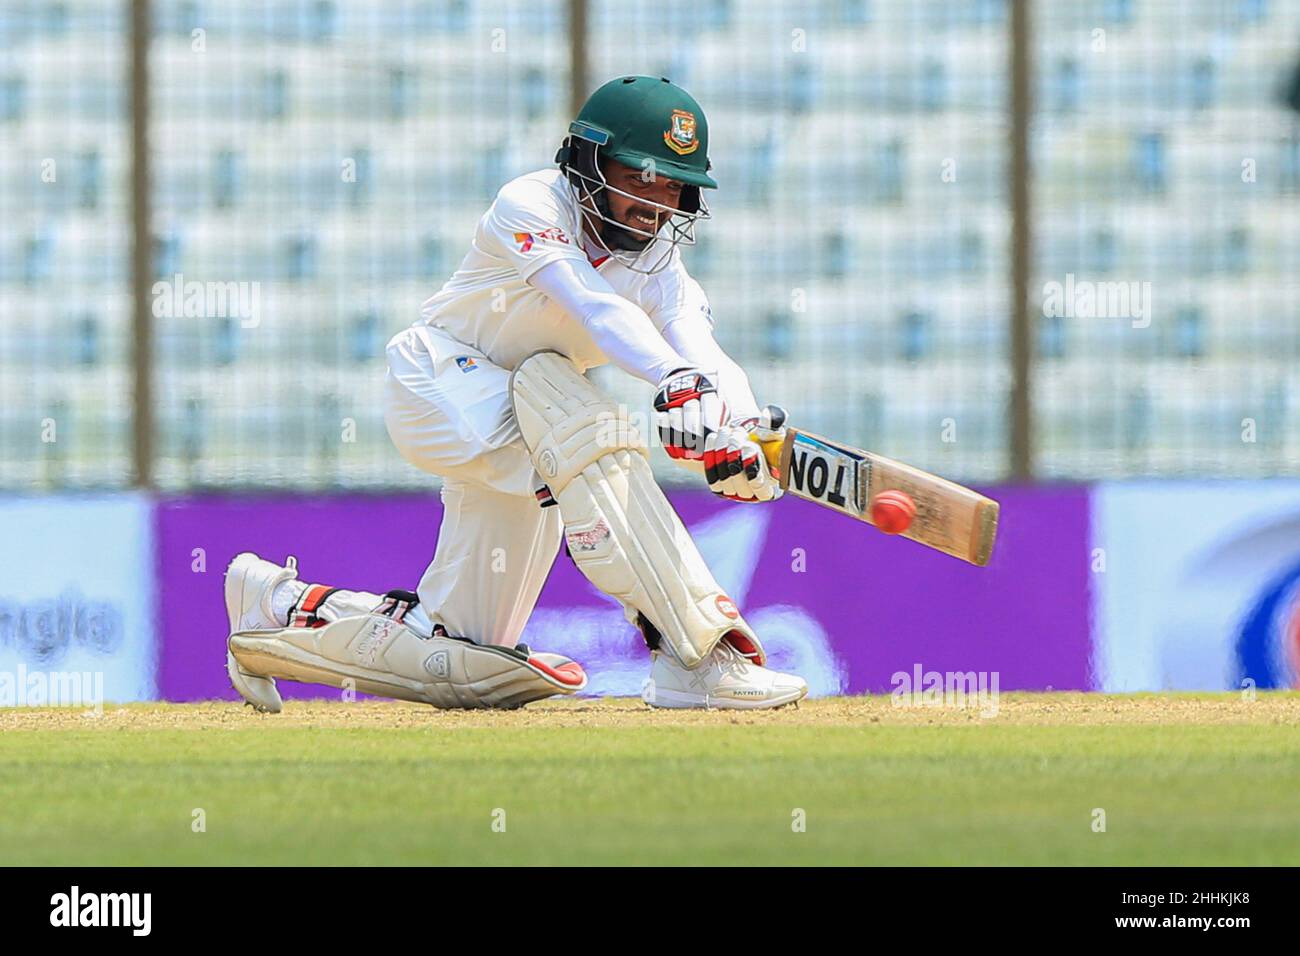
<point>729,660</point>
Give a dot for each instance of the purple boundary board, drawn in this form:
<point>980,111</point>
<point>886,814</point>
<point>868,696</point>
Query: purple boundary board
<point>833,599</point>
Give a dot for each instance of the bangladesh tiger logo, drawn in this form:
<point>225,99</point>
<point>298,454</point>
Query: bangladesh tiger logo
<point>680,134</point>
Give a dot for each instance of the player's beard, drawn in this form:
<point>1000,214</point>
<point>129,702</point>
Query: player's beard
<point>619,238</point>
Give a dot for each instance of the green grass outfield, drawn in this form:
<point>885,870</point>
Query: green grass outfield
<point>1183,779</point>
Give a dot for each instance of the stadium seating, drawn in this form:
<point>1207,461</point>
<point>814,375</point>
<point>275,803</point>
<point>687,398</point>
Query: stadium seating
<point>338,153</point>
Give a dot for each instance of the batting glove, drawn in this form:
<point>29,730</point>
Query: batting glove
<point>687,409</point>
<point>734,464</point>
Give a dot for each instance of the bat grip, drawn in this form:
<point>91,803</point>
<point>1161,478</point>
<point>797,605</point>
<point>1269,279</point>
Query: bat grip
<point>771,451</point>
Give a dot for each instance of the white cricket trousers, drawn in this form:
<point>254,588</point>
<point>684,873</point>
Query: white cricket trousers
<point>449,413</point>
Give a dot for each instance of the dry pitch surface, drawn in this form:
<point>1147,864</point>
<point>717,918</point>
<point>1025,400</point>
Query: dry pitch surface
<point>1180,779</point>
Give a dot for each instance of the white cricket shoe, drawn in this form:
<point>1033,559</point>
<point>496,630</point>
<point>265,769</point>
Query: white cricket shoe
<point>250,582</point>
<point>726,679</point>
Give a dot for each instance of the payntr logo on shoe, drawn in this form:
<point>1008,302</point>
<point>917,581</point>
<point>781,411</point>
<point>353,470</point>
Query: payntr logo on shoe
<point>102,909</point>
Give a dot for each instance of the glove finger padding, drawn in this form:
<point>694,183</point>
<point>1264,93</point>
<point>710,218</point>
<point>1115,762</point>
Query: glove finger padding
<point>671,434</point>
<point>687,407</point>
<point>735,467</point>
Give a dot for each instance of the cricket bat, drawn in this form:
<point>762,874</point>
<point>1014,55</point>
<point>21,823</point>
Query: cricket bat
<point>949,517</point>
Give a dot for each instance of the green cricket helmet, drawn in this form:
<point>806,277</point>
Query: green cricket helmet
<point>649,124</point>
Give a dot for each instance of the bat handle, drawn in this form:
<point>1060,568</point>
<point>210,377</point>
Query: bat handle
<point>771,451</point>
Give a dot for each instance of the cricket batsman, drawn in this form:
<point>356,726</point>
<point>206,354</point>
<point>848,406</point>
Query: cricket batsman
<point>569,268</point>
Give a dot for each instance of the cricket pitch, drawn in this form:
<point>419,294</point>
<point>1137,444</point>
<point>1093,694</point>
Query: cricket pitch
<point>1057,778</point>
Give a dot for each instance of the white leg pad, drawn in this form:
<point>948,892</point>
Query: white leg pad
<point>622,532</point>
<point>374,654</point>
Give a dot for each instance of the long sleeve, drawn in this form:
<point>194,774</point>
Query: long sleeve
<point>687,325</point>
<point>622,331</point>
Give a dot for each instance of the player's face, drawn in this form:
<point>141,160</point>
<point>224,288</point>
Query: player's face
<point>643,188</point>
